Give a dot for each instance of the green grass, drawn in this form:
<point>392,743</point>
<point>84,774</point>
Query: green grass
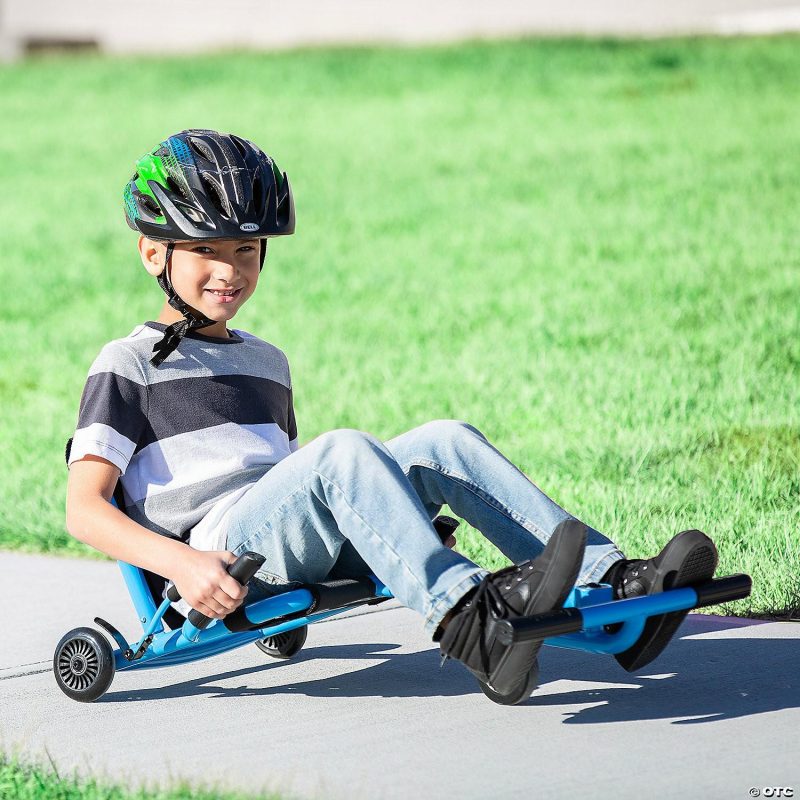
<point>587,249</point>
<point>26,780</point>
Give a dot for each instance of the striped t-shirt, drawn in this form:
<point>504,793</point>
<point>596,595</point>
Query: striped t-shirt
<point>191,436</point>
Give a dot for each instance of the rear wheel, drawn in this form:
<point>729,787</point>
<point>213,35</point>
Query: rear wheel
<point>285,644</point>
<point>83,664</point>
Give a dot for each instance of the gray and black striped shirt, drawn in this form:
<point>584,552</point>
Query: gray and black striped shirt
<point>191,436</point>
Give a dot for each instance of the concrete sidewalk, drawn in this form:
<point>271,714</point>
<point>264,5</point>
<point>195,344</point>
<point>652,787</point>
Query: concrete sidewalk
<point>365,711</point>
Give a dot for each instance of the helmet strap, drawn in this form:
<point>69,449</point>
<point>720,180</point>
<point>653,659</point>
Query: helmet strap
<point>191,319</point>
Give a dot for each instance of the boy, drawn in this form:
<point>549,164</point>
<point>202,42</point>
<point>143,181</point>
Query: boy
<point>197,422</point>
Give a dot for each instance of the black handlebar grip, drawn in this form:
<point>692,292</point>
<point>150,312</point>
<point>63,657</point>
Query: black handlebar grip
<point>173,595</point>
<point>241,570</point>
<point>723,590</point>
<point>245,566</point>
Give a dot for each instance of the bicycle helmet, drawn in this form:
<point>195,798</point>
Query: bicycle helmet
<point>201,184</point>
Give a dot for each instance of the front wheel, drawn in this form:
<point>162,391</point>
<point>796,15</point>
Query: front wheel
<point>83,664</point>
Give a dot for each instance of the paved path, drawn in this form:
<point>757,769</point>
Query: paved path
<point>366,712</point>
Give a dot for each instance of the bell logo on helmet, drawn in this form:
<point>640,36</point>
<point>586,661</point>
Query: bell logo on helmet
<point>248,226</point>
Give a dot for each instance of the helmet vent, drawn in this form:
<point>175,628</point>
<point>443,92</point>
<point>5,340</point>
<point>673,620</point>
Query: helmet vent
<point>258,196</point>
<point>201,148</point>
<point>150,205</point>
<point>177,189</point>
<point>192,213</point>
<point>240,145</point>
<point>214,194</point>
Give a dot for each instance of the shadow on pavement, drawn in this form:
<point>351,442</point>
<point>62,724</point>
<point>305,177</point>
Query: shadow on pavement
<point>398,675</point>
<point>694,680</point>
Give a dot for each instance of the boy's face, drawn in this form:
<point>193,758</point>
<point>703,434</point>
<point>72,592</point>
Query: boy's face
<point>202,271</point>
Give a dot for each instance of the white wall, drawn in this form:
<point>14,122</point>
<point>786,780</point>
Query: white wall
<point>137,26</point>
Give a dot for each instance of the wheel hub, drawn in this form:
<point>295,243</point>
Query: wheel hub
<point>78,665</point>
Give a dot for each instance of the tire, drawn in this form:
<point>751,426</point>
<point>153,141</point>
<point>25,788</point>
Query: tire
<point>285,644</point>
<point>521,692</point>
<point>83,664</point>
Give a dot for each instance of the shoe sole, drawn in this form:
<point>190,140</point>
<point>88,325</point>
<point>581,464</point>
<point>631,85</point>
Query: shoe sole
<point>684,561</point>
<point>566,547</point>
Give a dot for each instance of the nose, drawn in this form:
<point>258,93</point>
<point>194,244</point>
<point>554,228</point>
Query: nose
<point>224,270</point>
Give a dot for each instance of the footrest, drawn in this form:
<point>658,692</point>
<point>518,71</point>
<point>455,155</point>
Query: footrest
<point>542,626</point>
<point>593,617</point>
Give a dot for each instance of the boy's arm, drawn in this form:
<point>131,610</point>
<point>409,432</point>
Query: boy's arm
<point>200,577</point>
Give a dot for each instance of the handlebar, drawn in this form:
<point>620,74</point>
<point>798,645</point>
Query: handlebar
<point>241,570</point>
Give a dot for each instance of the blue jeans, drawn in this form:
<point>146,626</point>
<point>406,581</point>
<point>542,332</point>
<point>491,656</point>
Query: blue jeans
<point>347,504</point>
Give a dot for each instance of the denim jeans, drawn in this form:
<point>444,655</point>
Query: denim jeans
<point>347,504</point>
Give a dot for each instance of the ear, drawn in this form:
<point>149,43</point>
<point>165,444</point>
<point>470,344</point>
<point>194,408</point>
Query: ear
<point>152,254</point>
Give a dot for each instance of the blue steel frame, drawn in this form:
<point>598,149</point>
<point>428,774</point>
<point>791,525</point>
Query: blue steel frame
<point>166,648</point>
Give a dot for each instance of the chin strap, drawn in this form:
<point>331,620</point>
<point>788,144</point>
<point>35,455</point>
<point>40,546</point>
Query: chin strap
<point>175,332</point>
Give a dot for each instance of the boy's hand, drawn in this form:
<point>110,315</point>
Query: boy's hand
<point>203,581</point>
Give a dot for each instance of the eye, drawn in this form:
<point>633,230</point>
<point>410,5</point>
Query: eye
<point>202,249</point>
<point>246,248</point>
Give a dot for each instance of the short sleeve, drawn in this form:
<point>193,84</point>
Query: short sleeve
<point>113,409</point>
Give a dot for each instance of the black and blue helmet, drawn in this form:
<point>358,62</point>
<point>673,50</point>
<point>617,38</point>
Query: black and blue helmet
<point>202,184</point>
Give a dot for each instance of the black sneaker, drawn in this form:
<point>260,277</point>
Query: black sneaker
<point>526,589</point>
<point>688,558</point>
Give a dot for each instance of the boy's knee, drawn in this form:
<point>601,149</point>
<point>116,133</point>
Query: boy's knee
<point>450,429</point>
<point>347,439</point>
<point>345,452</point>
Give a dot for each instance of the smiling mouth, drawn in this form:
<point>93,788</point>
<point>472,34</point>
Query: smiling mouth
<point>227,296</point>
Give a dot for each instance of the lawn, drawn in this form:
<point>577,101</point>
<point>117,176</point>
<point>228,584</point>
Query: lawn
<point>26,780</point>
<point>586,249</point>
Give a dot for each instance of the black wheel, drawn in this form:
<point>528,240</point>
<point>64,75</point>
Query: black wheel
<point>284,645</point>
<point>83,664</point>
<point>519,694</point>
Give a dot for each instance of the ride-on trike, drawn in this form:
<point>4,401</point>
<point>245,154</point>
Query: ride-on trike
<point>85,662</point>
